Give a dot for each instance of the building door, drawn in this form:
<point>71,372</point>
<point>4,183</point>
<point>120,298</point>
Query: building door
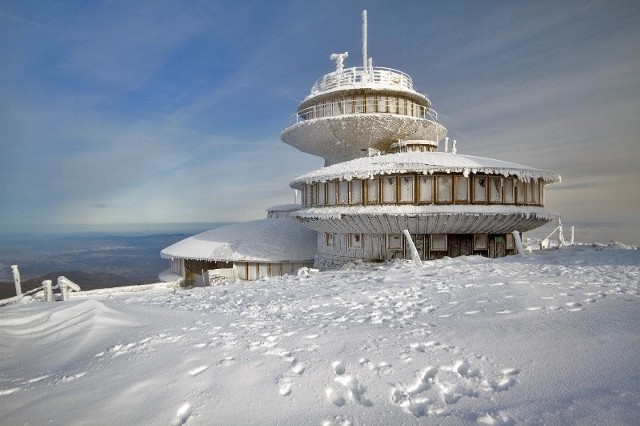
<point>501,246</point>
<point>418,240</point>
<point>454,245</point>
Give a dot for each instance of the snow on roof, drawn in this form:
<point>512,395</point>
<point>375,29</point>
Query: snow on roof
<point>422,162</point>
<point>285,208</point>
<point>265,240</point>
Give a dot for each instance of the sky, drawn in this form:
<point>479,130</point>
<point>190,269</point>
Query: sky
<point>163,111</point>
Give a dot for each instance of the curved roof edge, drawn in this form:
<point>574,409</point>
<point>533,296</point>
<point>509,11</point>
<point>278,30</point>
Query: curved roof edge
<point>264,240</point>
<point>422,162</point>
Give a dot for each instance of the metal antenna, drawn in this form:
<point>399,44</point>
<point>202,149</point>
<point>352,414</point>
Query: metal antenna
<point>364,40</point>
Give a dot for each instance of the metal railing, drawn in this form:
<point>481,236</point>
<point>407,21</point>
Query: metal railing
<point>358,76</point>
<point>340,107</point>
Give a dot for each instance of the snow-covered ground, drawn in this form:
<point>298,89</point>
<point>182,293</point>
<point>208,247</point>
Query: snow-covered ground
<point>550,338</point>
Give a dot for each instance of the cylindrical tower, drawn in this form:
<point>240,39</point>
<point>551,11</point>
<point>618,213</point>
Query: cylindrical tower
<point>355,112</point>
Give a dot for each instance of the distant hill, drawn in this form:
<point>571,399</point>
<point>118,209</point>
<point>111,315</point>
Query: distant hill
<point>86,281</point>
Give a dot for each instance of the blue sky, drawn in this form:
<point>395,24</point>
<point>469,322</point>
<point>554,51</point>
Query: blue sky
<point>161,111</point>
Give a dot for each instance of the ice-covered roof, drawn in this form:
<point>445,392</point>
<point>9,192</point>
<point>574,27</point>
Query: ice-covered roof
<point>265,240</point>
<point>285,208</point>
<point>422,162</point>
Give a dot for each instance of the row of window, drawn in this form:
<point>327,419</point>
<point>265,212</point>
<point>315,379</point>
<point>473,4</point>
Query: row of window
<point>437,242</point>
<point>425,189</point>
<point>363,104</point>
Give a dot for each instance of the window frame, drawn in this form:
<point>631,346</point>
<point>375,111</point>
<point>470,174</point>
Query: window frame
<point>438,196</point>
<point>457,185</point>
<point>355,241</point>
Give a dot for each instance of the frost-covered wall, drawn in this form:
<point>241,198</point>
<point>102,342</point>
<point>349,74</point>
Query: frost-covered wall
<point>425,189</point>
<point>336,248</point>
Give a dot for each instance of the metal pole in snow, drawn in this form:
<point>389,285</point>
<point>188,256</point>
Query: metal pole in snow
<point>16,279</point>
<point>415,256</point>
<point>518,241</point>
<point>572,234</point>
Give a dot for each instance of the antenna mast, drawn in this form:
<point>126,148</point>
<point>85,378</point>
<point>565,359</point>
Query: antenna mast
<point>364,41</point>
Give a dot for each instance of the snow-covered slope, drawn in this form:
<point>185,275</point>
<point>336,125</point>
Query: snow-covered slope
<point>550,338</point>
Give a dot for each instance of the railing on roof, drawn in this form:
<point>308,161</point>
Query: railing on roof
<point>358,76</point>
<point>333,108</point>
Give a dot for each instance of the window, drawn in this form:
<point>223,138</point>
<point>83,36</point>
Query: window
<point>343,192</point>
<point>535,192</point>
<point>480,189</point>
<point>480,241</point>
<point>176,265</point>
<point>444,187</point>
<point>438,242</point>
<point>328,239</point>
<point>391,103</point>
<point>359,104</point>
<point>388,189</point>
<point>321,194</point>
<point>355,240</point>
<point>531,188</point>
<point>495,190</point>
<point>306,194</point>
<point>331,193</point>
<point>462,189</point>
<point>371,103</point>
<point>406,189</point>
<point>425,192</point>
<point>356,191</point>
<point>394,242</point>
<point>382,103</point>
<point>507,190</point>
<point>372,191</point>
<point>510,242</point>
<point>521,190</point>
<point>313,194</point>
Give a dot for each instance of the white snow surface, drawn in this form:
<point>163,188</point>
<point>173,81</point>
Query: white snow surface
<point>269,240</point>
<point>422,162</point>
<point>546,338</point>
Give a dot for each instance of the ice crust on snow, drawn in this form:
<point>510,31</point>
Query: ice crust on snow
<point>369,344</point>
<point>424,163</point>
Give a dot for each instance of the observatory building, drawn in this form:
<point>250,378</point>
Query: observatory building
<point>386,188</point>
<point>383,175</point>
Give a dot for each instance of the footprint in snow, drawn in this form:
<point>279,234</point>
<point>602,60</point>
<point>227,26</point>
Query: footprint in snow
<point>338,367</point>
<point>182,415</point>
<point>285,388</point>
<point>495,419</point>
<point>335,397</point>
<point>198,370</point>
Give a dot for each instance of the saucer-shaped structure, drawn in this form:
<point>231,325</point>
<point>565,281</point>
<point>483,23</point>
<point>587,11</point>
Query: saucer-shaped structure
<point>268,247</point>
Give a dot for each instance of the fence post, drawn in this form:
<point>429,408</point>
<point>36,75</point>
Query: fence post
<point>48,290</point>
<point>16,279</point>
<point>67,286</point>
